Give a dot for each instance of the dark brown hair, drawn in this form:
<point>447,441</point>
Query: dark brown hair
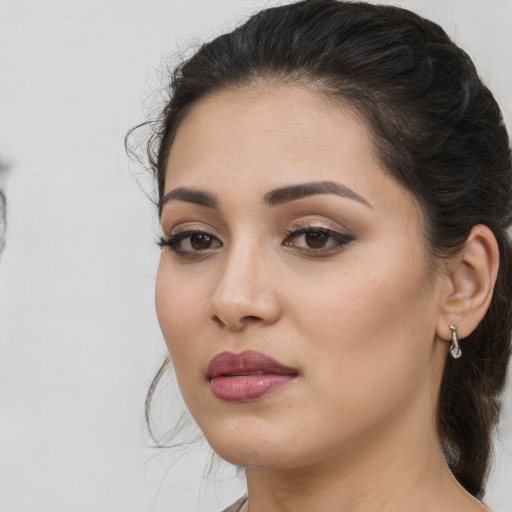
<point>438,131</point>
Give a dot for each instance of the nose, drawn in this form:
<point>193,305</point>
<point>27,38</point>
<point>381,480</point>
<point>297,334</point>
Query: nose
<point>245,293</point>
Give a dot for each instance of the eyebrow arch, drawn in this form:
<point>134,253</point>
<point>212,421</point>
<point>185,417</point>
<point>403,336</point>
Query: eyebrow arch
<point>190,195</point>
<point>294,192</point>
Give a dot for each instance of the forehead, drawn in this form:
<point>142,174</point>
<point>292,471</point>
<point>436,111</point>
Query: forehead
<point>264,136</point>
<point>267,128</point>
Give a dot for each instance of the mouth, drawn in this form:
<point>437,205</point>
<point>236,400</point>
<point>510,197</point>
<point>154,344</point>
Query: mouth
<point>246,376</point>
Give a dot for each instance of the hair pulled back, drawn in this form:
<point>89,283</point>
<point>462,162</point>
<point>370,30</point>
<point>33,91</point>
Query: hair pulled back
<point>436,128</point>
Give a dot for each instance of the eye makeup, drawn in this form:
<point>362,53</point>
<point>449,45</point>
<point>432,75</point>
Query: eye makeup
<point>189,241</point>
<point>314,239</point>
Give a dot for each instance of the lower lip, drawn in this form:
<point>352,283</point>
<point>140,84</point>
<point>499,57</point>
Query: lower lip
<point>246,388</point>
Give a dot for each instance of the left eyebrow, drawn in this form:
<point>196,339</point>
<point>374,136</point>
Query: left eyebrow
<point>294,192</point>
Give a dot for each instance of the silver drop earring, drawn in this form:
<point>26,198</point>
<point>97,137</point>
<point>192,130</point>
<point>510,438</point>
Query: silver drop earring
<point>455,350</point>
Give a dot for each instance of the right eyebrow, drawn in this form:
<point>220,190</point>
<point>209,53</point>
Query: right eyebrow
<point>190,195</point>
<point>301,190</point>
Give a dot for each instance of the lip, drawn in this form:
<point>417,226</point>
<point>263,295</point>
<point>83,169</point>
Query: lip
<point>246,376</point>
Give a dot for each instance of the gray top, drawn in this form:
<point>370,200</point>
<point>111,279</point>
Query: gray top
<point>236,506</point>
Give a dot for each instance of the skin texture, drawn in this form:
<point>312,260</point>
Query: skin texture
<point>363,320</point>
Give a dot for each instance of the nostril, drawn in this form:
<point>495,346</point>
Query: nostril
<point>250,319</point>
<point>245,320</point>
<point>217,320</point>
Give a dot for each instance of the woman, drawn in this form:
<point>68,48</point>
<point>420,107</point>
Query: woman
<point>335,281</point>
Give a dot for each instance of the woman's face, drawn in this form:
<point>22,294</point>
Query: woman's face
<point>295,293</point>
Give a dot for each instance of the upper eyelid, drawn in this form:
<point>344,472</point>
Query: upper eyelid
<point>313,227</point>
<point>321,225</point>
<point>301,228</point>
<point>289,226</point>
<point>192,227</point>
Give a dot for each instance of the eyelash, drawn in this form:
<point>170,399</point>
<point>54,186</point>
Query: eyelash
<point>173,242</point>
<point>339,240</point>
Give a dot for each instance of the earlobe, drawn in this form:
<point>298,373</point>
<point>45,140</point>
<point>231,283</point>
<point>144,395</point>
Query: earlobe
<point>471,279</point>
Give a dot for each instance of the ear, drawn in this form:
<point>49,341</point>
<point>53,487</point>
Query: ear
<point>470,283</point>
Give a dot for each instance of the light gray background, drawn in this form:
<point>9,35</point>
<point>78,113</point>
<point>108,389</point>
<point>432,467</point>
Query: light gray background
<point>79,341</point>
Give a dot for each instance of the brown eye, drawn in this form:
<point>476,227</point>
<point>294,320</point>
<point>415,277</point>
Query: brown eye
<point>316,239</point>
<point>201,241</point>
<point>190,243</point>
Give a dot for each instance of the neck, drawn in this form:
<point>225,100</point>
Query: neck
<point>406,473</point>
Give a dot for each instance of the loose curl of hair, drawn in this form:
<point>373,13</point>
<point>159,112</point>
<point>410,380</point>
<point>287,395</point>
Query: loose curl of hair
<point>436,128</point>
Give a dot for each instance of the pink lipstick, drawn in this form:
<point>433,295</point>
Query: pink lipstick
<point>246,376</point>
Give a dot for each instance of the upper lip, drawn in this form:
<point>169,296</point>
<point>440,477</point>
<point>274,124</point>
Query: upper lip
<point>247,362</point>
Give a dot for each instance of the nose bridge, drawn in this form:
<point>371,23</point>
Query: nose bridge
<point>243,291</point>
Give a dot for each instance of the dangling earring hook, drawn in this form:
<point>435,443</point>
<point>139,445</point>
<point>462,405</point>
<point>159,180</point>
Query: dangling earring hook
<point>455,350</point>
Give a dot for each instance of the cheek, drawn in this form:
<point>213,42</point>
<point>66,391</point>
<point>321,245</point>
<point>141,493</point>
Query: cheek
<point>346,306</point>
<point>177,306</point>
<point>371,325</point>
<point>368,354</point>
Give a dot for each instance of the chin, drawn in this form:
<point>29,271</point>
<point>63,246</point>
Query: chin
<point>250,446</point>
<point>249,457</point>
